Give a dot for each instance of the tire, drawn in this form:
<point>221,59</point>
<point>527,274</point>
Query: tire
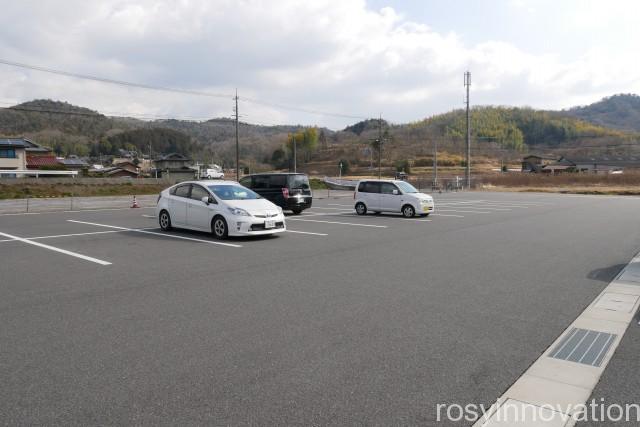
<point>296,211</point>
<point>208,177</point>
<point>219,228</point>
<point>408,211</point>
<point>361,208</point>
<point>164,219</point>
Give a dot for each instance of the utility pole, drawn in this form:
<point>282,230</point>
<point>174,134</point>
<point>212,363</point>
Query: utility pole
<point>237,140</point>
<point>380,147</point>
<point>151,162</point>
<point>295,154</point>
<point>467,83</point>
<point>435,161</point>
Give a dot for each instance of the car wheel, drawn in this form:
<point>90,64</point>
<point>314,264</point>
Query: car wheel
<point>296,211</point>
<point>165,221</point>
<point>408,211</point>
<point>208,177</point>
<point>361,209</point>
<point>219,228</point>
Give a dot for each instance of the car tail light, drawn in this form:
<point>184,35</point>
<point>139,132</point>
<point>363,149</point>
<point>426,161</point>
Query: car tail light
<point>285,193</point>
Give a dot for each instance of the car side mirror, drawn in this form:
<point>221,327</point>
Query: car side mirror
<point>396,192</point>
<point>206,200</point>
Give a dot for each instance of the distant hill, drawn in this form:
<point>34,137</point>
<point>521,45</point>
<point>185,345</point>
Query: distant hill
<point>70,129</point>
<point>516,128</point>
<point>497,132</point>
<point>618,111</point>
<point>369,124</point>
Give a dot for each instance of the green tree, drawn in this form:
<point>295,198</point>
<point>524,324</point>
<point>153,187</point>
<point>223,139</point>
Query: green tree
<point>403,166</point>
<point>345,166</point>
<point>306,143</point>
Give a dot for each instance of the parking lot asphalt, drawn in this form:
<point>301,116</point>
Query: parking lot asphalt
<point>342,320</point>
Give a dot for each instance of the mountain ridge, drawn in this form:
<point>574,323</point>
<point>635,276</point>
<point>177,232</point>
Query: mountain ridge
<point>71,129</point>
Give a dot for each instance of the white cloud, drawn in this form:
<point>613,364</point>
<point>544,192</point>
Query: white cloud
<point>323,55</point>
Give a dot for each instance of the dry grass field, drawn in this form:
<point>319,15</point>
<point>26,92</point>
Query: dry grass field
<point>627,183</point>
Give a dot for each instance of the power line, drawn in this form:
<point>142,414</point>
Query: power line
<point>112,81</point>
<point>122,115</point>
<point>111,114</point>
<point>303,110</point>
<point>175,90</point>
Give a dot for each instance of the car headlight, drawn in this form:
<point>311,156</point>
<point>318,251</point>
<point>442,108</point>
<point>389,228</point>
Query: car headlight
<point>239,212</point>
<point>279,209</point>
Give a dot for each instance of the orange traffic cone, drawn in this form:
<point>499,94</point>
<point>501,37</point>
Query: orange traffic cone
<point>135,203</point>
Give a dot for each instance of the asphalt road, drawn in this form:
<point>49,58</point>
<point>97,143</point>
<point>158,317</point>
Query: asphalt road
<point>371,320</point>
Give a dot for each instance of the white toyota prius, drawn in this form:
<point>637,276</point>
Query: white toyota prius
<point>224,208</point>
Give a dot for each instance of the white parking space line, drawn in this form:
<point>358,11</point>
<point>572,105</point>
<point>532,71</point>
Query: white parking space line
<point>393,217</point>
<point>307,232</point>
<point>148,216</point>
<point>497,202</point>
<point>53,248</point>
<point>309,214</point>
<point>56,236</point>
<point>451,215</point>
<point>336,222</point>
<point>170,236</point>
<point>64,235</point>
<point>331,209</point>
<point>483,207</point>
<point>337,204</point>
<point>465,211</point>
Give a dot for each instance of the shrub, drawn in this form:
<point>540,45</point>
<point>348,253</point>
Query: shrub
<point>345,166</point>
<point>403,166</point>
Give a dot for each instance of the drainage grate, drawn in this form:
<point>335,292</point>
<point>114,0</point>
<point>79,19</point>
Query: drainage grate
<point>584,346</point>
<point>631,273</point>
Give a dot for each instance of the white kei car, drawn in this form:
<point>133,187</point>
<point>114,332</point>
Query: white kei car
<point>378,195</point>
<point>224,208</point>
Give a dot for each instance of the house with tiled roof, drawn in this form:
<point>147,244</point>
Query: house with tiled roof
<point>174,165</point>
<point>21,154</point>
<point>12,154</point>
<point>74,162</point>
<point>602,164</point>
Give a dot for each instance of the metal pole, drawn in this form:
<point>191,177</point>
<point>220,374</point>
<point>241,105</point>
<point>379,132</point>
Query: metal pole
<point>467,83</point>
<point>237,141</point>
<point>295,154</point>
<point>380,147</point>
<point>435,162</point>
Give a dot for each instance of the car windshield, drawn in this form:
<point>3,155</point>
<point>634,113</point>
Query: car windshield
<point>406,187</point>
<point>299,181</point>
<point>233,192</point>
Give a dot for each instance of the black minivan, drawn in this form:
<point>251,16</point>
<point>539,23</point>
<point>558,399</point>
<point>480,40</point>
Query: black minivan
<point>290,191</point>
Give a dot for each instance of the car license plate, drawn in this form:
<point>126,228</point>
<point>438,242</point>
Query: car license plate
<point>269,223</point>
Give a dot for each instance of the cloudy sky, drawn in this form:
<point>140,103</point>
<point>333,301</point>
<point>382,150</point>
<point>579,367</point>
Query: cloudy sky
<point>403,59</point>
